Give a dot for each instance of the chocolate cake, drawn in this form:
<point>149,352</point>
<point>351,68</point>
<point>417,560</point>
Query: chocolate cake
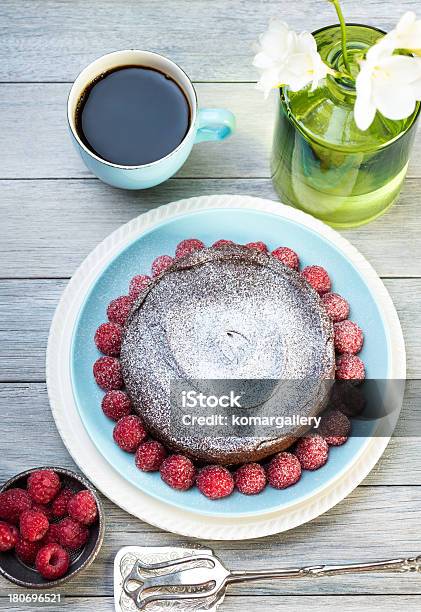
<point>236,314</point>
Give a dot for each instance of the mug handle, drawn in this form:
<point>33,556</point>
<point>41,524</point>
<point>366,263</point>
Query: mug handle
<point>214,124</point>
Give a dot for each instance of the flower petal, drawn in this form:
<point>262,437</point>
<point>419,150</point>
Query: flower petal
<point>407,34</point>
<point>262,61</point>
<point>364,113</point>
<point>406,21</point>
<point>401,68</point>
<point>416,89</point>
<point>380,51</point>
<point>297,64</point>
<point>363,82</point>
<point>269,80</point>
<point>286,58</point>
<point>306,43</point>
<point>276,41</point>
<point>412,39</point>
<point>295,83</point>
<point>394,103</point>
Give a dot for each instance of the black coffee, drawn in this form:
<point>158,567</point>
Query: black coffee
<point>132,116</point>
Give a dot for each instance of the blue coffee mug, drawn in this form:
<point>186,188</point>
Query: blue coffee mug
<point>207,124</point>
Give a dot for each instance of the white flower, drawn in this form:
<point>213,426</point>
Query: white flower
<point>407,34</point>
<point>305,64</point>
<point>387,83</point>
<point>273,53</point>
<point>287,58</point>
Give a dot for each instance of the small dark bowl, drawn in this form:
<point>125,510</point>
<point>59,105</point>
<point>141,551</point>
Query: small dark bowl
<point>18,572</point>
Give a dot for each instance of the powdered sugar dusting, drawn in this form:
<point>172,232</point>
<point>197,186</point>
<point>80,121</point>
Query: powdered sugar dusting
<point>227,313</point>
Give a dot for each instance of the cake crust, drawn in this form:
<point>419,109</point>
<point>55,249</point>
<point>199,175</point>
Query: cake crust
<point>228,313</point>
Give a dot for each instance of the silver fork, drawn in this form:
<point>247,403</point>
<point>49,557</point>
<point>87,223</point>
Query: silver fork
<point>203,575</point>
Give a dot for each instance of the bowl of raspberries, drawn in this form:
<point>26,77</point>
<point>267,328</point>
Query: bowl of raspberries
<point>51,527</point>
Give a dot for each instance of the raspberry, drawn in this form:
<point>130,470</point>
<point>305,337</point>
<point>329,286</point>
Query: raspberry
<point>116,404</point>
<point>336,306</point>
<point>108,339</point>
<point>334,428</point>
<point>15,533</point>
<point>12,503</point>
<point>215,481</point>
<point>52,561</point>
<point>284,470</point>
<point>348,398</point>
<point>221,243</point>
<point>107,373</point>
<point>348,337</point>
<point>150,455</point>
<point>258,246</point>
<point>33,525</point>
<point>185,247</point>
<point>118,310</point>
<point>52,536</point>
<point>318,278</point>
<point>9,536</point>
<point>82,508</point>
<point>72,535</point>
<point>43,486</point>
<point>312,452</point>
<point>27,551</point>
<point>250,479</point>
<point>46,510</point>
<point>137,285</point>
<point>287,256</point>
<point>129,433</point>
<point>160,264</point>
<point>59,507</point>
<point>178,472</point>
<point>349,367</point>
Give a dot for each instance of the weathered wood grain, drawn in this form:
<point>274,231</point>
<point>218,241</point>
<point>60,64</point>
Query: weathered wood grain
<point>27,307</point>
<point>23,402</point>
<point>280,603</point>
<point>35,136</point>
<point>54,40</point>
<point>372,523</point>
<point>48,227</point>
<point>38,143</point>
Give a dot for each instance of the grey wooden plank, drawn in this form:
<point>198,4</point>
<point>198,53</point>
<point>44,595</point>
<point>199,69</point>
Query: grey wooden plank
<point>400,465</point>
<point>35,135</point>
<point>389,603</point>
<point>29,331</point>
<point>374,522</point>
<point>53,40</point>
<point>48,227</point>
<point>39,43</point>
<point>27,307</point>
<point>355,530</point>
<point>20,402</point>
<point>38,143</point>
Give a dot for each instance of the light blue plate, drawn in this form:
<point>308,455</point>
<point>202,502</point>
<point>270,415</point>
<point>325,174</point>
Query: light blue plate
<point>239,225</point>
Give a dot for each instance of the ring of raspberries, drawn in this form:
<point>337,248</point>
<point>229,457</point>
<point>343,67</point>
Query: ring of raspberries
<point>45,523</point>
<point>215,482</point>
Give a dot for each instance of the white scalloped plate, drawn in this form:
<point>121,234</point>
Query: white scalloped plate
<point>98,469</point>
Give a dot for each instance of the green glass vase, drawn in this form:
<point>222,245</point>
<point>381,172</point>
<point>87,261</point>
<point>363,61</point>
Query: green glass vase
<point>322,162</point>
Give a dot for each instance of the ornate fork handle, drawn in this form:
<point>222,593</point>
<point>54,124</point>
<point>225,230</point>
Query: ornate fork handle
<point>411,564</point>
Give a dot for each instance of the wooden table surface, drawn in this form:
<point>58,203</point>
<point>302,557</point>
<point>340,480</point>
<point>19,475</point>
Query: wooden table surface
<point>53,212</point>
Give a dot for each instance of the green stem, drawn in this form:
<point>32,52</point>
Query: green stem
<point>343,31</point>
<point>342,75</point>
